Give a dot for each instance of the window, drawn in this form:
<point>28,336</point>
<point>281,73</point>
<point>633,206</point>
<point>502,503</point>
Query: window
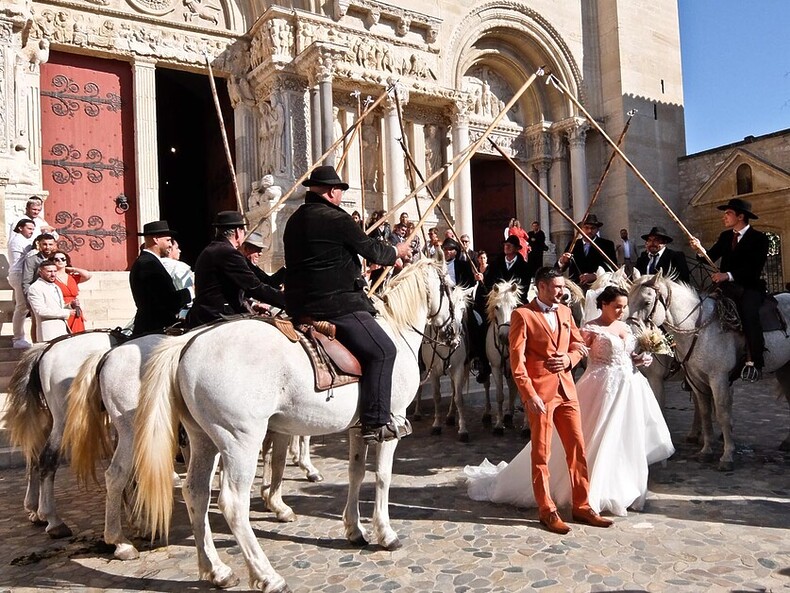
<point>743,177</point>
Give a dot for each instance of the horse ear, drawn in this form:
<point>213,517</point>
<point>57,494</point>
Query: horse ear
<point>636,274</point>
<point>496,288</point>
<point>514,287</point>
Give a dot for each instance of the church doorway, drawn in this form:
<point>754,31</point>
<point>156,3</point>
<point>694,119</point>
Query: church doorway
<point>493,201</point>
<point>194,179</point>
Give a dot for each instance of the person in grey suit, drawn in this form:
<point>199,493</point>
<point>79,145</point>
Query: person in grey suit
<point>46,304</point>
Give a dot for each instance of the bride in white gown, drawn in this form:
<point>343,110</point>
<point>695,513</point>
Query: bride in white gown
<point>623,428</point>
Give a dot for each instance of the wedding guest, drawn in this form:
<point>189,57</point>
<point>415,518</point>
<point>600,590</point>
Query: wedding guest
<point>582,259</point>
<point>67,278</point>
<point>20,242</point>
<point>33,209</point>
<point>46,304</point>
<point>626,252</point>
<point>357,218</point>
<point>523,238</point>
<point>509,226</point>
<point>537,245</point>
<point>658,256</point>
<point>482,261</point>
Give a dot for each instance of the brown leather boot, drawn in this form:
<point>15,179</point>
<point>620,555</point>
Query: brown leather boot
<point>590,517</point>
<point>554,523</point>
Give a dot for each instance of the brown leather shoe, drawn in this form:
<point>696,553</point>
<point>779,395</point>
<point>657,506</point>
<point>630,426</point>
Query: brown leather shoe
<point>554,523</point>
<point>590,517</point>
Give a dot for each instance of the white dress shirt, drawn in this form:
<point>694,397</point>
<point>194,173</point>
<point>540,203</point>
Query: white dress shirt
<point>550,313</point>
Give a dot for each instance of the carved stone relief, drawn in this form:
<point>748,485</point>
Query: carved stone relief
<point>371,153</point>
<point>489,92</point>
<point>272,135</point>
<point>435,142</point>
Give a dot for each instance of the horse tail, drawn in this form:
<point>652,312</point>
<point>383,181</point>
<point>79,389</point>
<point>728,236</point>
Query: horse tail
<point>156,436</point>
<point>87,432</point>
<point>27,416</point>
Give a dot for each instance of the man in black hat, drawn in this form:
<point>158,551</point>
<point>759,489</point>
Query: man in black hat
<point>743,252</point>
<point>251,250</point>
<point>459,270</point>
<point>582,259</point>
<point>222,277</point>
<point>657,256</point>
<point>157,299</point>
<point>323,282</point>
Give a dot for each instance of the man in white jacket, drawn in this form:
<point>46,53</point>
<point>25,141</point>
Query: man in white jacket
<point>46,303</point>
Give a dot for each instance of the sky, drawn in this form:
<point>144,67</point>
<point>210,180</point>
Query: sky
<point>736,69</point>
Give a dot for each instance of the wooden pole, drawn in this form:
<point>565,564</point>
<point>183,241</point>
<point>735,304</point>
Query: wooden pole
<point>224,134</point>
<point>464,161</point>
<point>361,161</point>
<point>404,147</point>
<point>606,169</point>
<point>320,160</point>
<point>553,204</point>
<point>564,90</point>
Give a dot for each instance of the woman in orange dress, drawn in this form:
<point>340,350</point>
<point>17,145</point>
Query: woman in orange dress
<point>523,238</point>
<point>68,278</point>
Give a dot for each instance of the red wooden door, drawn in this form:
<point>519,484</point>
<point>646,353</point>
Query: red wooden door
<point>88,158</point>
<point>493,202</point>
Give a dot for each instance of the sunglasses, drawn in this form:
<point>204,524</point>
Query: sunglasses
<point>58,259</point>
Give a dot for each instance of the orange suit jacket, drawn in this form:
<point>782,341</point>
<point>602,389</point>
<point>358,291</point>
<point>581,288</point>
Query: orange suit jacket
<point>532,342</point>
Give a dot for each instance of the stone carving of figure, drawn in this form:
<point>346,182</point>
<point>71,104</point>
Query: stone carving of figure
<point>486,99</point>
<point>306,35</point>
<point>271,135</point>
<point>21,169</point>
<point>35,53</point>
<point>370,155</point>
<point>63,32</point>
<point>200,10</point>
<point>337,132</point>
<point>264,192</point>
<point>240,91</point>
<point>433,155</point>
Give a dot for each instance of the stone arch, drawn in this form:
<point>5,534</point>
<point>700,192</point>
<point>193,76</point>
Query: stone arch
<point>516,40</point>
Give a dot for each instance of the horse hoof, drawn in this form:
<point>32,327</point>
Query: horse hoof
<point>507,420</point>
<point>486,419</point>
<point>231,580</point>
<point>705,457</point>
<point>359,541</point>
<point>498,431</point>
<point>526,434</point>
<point>286,516</point>
<point>393,545</point>
<point>436,430</point>
<point>726,466</point>
<point>463,437</point>
<point>450,421</point>
<point>692,439</point>
<point>126,552</point>
<point>785,446</point>
<point>59,531</point>
<point>315,477</point>
<point>33,518</point>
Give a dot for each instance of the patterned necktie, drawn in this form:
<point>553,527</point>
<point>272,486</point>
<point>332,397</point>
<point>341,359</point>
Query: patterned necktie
<point>735,235</point>
<point>651,268</point>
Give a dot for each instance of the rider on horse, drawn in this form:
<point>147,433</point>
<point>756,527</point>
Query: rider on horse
<point>743,252</point>
<point>323,282</point>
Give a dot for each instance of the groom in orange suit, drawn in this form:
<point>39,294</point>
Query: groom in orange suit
<point>545,345</point>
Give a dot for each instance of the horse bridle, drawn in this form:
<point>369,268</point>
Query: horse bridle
<point>435,342</point>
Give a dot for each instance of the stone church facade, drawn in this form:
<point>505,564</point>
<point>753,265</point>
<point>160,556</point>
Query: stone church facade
<point>297,75</point>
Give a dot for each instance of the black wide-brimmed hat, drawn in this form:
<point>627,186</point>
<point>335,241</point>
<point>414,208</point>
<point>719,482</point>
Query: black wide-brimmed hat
<point>658,231</point>
<point>449,243</point>
<point>325,175</point>
<point>591,219</point>
<point>156,228</point>
<point>513,240</point>
<point>229,219</point>
<point>739,205</point>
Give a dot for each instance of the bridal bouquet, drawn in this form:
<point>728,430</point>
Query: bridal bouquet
<point>653,340</point>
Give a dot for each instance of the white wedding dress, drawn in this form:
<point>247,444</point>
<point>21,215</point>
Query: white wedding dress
<point>623,429</point>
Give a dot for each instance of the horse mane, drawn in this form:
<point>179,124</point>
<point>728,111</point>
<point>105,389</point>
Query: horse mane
<point>577,294</point>
<point>661,278</point>
<point>501,294</point>
<point>405,294</point>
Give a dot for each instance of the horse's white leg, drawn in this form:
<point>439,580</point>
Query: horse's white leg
<point>695,430</point>
<point>722,400</point>
<point>306,462</point>
<point>32,492</point>
<point>293,449</point>
<point>436,427</point>
<point>48,461</point>
<point>459,378</point>
<point>240,460</point>
<point>382,530</point>
<point>449,420</point>
<point>116,478</point>
<point>281,448</point>
<point>266,469</point>
<point>499,425</point>
<point>197,494</point>
<point>706,425</point>
<point>357,452</point>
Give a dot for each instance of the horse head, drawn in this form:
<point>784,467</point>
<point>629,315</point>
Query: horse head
<point>649,298</point>
<point>503,298</point>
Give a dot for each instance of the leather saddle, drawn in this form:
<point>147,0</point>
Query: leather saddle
<point>333,364</point>
<point>771,318</point>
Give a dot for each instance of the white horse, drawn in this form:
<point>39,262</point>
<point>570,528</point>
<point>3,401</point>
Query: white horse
<point>503,298</point>
<point>445,351</point>
<point>36,414</point>
<point>708,352</point>
<point>107,387</point>
<point>227,399</point>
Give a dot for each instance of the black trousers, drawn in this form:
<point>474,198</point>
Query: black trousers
<point>749,309</point>
<point>376,352</point>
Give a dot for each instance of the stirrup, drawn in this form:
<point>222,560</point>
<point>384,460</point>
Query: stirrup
<point>750,373</point>
<point>397,428</point>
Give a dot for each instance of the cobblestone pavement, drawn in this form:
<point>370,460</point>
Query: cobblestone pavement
<point>702,530</point>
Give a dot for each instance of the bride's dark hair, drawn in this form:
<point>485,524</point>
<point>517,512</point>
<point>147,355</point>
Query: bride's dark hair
<point>609,294</point>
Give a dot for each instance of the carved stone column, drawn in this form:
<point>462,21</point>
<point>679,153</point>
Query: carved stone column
<point>542,169</point>
<point>558,189</point>
<point>576,140</point>
<point>145,146</point>
<point>246,128</point>
<point>395,173</point>
<point>463,183</point>
<point>327,119</point>
<point>315,123</point>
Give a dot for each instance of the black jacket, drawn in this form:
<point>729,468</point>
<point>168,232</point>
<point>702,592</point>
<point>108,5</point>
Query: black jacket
<point>464,275</point>
<point>274,280</point>
<point>746,262</point>
<point>323,272</point>
<point>222,281</point>
<point>589,264</point>
<point>537,244</point>
<point>158,302</point>
<point>520,271</point>
<point>669,260</point>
